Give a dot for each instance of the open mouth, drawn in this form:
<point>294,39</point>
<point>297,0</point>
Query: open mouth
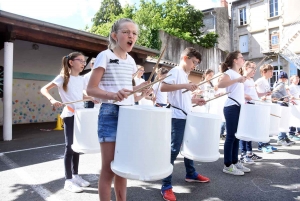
<point>130,43</point>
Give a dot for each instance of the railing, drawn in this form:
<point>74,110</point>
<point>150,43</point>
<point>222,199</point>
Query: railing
<point>291,57</point>
<point>290,33</point>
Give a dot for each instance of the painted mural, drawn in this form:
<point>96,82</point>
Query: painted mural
<point>29,105</point>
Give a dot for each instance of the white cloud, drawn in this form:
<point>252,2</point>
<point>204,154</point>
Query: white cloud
<point>202,6</point>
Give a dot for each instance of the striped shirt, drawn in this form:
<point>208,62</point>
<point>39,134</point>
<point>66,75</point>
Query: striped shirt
<point>117,75</point>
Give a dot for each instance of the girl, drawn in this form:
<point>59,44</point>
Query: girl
<point>207,88</point>
<point>233,82</point>
<point>111,80</point>
<point>294,92</point>
<point>159,97</point>
<point>248,70</point>
<point>70,87</point>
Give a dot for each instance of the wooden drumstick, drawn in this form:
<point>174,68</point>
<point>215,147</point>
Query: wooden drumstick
<point>275,115</point>
<point>156,65</point>
<point>144,87</point>
<point>205,82</point>
<point>213,98</point>
<point>66,103</point>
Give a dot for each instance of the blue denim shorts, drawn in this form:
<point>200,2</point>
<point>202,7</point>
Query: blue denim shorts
<point>108,122</point>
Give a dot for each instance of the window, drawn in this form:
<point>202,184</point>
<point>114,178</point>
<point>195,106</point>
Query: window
<point>243,17</point>
<point>243,43</point>
<point>273,8</point>
<point>274,40</point>
<point>276,72</point>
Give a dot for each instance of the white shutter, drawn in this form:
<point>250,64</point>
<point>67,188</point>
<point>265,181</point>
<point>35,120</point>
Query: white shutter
<point>243,43</point>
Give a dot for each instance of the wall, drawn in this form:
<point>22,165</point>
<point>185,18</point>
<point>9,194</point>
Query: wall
<point>210,57</point>
<point>32,70</point>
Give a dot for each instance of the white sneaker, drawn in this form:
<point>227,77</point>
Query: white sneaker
<point>242,168</point>
<point>79,181</point>
<point>71,186</point>
<point>283,142</point>
<point>232,170</point>
<point>248,160</point>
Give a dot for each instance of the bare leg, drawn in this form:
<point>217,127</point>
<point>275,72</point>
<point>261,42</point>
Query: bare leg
<point>106,174</point>
<point>120,184</point>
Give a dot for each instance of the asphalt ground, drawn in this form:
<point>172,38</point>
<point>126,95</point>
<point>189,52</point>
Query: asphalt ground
<point>31,169</point>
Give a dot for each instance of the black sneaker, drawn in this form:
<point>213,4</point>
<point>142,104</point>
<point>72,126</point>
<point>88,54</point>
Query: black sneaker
<point>289,141</point>
<point>255,157</point>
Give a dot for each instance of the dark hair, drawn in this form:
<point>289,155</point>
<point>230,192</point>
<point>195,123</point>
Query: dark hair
<point>191,52</point>
<point>115,27</point>
<point>228,63</point>
<point>161,71</point>
<point>65,71</point>
<point>208,71</point>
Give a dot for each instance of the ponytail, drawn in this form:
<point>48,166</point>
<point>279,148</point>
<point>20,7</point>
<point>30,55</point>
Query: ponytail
<point>228,63</point>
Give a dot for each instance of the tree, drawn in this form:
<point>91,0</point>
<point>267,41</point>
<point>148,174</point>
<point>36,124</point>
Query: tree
<point>176,17</point>
<point>107,11</point>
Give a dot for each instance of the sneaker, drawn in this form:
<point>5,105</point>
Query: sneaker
<point>81,182</point>
<point>272,148</point>
<point>265,150</point>
<point>248,160</point>
<point>283,142</point>
<point>255,157</point>
<point>71,186</point>
<point>295,137</point>
<point>168,195</point>
<point>242,168</point>
<point>199,179</point>
<point>232,169</point>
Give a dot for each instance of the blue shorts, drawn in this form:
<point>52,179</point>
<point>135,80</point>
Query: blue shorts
<point>108,122</point>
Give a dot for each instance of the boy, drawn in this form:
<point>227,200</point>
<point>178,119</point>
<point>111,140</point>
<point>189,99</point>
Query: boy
<point>181,104</point>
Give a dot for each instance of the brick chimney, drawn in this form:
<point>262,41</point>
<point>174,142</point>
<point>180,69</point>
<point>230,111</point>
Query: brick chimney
<point>224,3</point>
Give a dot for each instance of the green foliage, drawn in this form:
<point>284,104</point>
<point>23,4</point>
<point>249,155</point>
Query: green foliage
<point>176,17</point>
<point>107,11</point>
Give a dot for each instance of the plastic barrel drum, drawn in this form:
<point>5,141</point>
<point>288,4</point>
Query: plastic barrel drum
<point>295,115</point>
<point>143,143</point>
<point>285,119</point>
<point>86,131</point>
<point>201,137</point>
<point>254,123</point>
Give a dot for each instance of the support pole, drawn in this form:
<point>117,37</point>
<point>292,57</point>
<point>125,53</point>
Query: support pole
<point>7,91</point>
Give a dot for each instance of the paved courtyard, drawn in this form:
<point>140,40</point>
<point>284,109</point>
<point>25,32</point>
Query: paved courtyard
<point>31,169</point>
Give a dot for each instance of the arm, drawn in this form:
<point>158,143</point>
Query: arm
<point>225,81</point>
<point>45,91</point>
<point>94,91</point>
<point>165,87</point>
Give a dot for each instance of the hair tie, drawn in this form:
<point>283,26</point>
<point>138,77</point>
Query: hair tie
<point>67,56</point>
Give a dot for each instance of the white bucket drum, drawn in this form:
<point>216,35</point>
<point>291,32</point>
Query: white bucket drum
<point>143,143</point>
<point>285,119</point>
<point>201,137</point>
<point>295,115</point>
<point>145,101</point>
<point>254,123</point>
<point>275,109</point>
<point>217,106</point>
<point>86,131</point>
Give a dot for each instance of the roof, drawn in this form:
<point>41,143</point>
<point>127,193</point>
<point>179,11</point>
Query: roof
<point>19,27</point>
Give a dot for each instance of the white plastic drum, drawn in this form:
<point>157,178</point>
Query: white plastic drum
<point>201,137</point>
<point>254,123</point>
<point>144,101</point>
<point>143,144</point>
<point>285,119</point>
<point>295,115</point>
<point>275,109</point>
<point>217,106</point>
<point>86,131</point>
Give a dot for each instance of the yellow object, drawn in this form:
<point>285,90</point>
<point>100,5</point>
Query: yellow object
<point>59,124</point>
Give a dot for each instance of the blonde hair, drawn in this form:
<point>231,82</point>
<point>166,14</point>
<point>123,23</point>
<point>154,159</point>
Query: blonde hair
<point>293,77</point>
<point>264,68</point>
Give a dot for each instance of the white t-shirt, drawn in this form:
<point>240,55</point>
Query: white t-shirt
<point>87,79</point>
<point>177,98</point>
<point>295,90</point>
<point>161,97</point>
<point>138,81</point>
<point>249,88</point>
<point>236,90</point>
<point>117,75</point>
<point>74,92</point>
<point>262,85</point>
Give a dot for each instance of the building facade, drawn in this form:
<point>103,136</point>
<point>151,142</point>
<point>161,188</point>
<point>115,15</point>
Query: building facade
<point>261,28</point>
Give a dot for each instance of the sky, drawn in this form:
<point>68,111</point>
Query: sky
<point>72,13</point>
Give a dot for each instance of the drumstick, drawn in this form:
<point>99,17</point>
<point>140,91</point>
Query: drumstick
<point>204,82</point>
<point>66,103</point>
<point>213,98</point>
<point>157,63</point>
<point>275,115</point>
<point>146,86</point>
